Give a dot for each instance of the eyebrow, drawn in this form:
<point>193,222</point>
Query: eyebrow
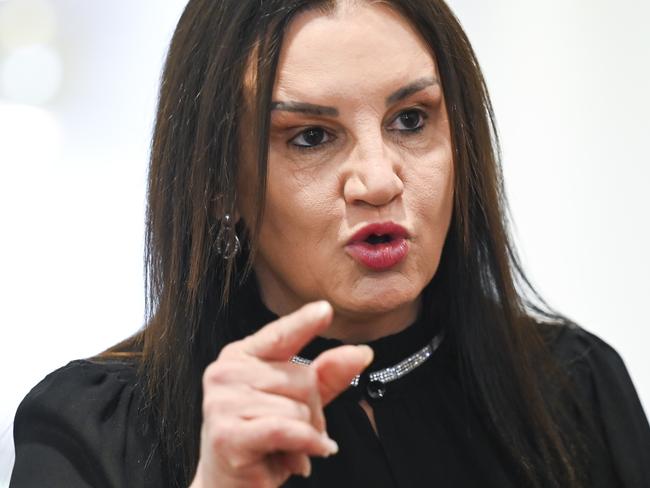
<point>410,89</point>
<point>323,110</point>
<point>305,108</point>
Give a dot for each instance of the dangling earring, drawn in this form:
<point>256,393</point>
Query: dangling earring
<point>227,242</point>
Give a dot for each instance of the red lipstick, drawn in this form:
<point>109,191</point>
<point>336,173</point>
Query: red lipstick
<point>379,246</point>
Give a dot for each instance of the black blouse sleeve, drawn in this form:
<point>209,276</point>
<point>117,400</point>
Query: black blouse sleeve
<point>79,428</point>
<point>606,390</point>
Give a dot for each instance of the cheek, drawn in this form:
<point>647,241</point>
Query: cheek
<point>299,203</point>
<point>429,172</point>
<point>431,182</point>
<point>431,201</point>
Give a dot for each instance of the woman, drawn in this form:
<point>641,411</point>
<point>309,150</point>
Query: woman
<point>324,174</point>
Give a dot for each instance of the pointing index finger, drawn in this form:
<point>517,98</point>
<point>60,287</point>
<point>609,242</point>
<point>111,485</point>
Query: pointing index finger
<point>285,337</point>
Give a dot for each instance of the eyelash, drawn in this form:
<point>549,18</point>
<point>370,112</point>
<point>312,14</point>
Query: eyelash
<point>301,147</point>
<point>423,117</point>
<point>403,132</point>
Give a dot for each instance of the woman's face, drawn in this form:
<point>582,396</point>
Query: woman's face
<point>359,136</point>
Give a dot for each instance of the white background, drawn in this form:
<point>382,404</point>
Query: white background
<point>78,86</point>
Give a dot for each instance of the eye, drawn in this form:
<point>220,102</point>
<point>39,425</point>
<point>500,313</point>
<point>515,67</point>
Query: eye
<point>409,121</point>
<point>311,138</point>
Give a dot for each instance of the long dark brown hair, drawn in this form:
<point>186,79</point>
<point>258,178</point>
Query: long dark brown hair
<point>507,369</point>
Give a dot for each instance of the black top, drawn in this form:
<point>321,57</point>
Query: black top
<point>80,426</point>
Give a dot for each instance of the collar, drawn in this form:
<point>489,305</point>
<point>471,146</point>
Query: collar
<point>251,314</point>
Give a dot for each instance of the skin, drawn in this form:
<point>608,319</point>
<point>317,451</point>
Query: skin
<point>338,82</point>
<point>263,415</point>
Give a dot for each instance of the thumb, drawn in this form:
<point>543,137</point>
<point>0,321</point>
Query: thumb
<point>336,367</point>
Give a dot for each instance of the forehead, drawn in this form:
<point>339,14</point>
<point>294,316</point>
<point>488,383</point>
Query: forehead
<point>353,49</point>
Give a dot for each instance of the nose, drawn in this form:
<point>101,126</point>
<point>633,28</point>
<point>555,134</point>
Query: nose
<point>372,177</point>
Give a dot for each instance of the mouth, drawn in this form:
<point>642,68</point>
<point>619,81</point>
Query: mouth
<point>378,239</point>
<point>379,247</point>
<point>379,233</point>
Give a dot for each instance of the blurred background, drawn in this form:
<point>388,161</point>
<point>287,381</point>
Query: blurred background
<point>78,88</point>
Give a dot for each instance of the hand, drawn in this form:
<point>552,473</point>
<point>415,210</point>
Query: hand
<point>263,415</point>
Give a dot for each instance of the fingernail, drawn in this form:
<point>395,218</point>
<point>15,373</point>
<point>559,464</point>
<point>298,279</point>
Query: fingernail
<point>322,308</point>
<point>307,471</point>
<point>368,352</point>
<point>332,446</point>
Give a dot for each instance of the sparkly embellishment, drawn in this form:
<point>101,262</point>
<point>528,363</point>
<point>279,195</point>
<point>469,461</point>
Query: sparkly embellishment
<point>391,373</point>
<point>299,360</point>
<point>376,389</point>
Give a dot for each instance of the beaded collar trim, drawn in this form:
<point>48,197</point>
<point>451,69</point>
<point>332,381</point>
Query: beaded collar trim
<point>392,373</point>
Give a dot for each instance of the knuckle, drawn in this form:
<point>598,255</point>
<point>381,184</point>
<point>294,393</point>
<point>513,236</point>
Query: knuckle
<point>218,372</point>
<point>276,433</point>
<point>275,339</point>
<point>229,350</point>
<point>303,412</point>
<point>220,436</point>
<point>210,373</point>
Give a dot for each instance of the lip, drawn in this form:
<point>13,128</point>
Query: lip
<point>380,256</point>
<point>379,228</point>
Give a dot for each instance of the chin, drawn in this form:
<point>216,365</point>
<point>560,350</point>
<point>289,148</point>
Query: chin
<point>380,300</point>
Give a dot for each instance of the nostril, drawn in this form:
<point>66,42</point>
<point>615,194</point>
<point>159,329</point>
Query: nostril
<point>372,184</point>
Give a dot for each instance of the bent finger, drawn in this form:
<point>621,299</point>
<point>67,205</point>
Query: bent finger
<point>247,404</point>
<point>272,434</point>
<point>243,385</point>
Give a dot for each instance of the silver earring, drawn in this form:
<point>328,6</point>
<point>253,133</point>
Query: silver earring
<point>227,242</point>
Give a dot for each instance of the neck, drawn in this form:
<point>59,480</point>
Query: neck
<point>356,328</point>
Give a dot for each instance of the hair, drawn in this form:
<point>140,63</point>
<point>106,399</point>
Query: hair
<point>507,369</point>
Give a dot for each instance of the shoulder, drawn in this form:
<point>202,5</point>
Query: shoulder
<point>83,379</point>
<point>575,347</point>
<point>82,423</point>
<point>607,400</point>
<point>593,364</point>
<point>78,391</point>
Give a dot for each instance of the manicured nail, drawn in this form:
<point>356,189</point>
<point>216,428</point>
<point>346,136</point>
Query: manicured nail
<point>322,308</point>
<point>332,446</point>
<point>368,352</point>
